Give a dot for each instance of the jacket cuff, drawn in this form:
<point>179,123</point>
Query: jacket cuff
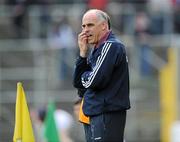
<point>81,60</point>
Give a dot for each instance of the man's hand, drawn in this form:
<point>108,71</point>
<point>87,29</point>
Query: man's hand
<point>83,44</point>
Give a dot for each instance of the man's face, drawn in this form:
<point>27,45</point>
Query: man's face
<point>92,27</point>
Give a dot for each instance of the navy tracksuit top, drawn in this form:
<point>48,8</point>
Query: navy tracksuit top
<point>105,76</point>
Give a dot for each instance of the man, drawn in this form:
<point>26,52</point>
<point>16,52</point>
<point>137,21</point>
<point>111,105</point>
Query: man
<point>104,74</point>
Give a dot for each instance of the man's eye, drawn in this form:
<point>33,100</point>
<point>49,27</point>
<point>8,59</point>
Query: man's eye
<point>90,25</point>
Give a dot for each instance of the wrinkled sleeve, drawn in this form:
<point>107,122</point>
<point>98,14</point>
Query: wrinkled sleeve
<point>101,73</point>
<point>80,67</point>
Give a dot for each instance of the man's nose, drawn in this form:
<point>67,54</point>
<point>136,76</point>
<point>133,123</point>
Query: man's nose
<point>86,29</point>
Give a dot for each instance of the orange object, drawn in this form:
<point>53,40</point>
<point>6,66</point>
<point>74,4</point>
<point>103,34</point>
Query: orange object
<point>82,117</point>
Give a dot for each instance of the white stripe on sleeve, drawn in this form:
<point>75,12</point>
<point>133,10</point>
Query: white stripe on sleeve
<point>88,82</point>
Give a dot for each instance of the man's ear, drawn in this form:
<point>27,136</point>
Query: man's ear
<point>104,26</point>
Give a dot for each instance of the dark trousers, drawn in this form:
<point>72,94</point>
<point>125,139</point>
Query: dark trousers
<point>106,127</point>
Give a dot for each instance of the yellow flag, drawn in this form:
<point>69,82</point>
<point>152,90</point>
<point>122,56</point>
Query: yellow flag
<point>23,131</point>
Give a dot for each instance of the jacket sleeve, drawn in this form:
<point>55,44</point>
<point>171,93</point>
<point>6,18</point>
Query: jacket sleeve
<point>81,92</point>
<point>101,73</point>
<point>80,67</point>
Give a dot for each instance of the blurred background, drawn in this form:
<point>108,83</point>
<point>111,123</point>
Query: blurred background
<point>38,46</point>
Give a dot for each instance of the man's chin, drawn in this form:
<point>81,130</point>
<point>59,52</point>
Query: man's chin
<point>90,42</point>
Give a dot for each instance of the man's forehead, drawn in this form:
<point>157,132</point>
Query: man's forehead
<point>90,15</point>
